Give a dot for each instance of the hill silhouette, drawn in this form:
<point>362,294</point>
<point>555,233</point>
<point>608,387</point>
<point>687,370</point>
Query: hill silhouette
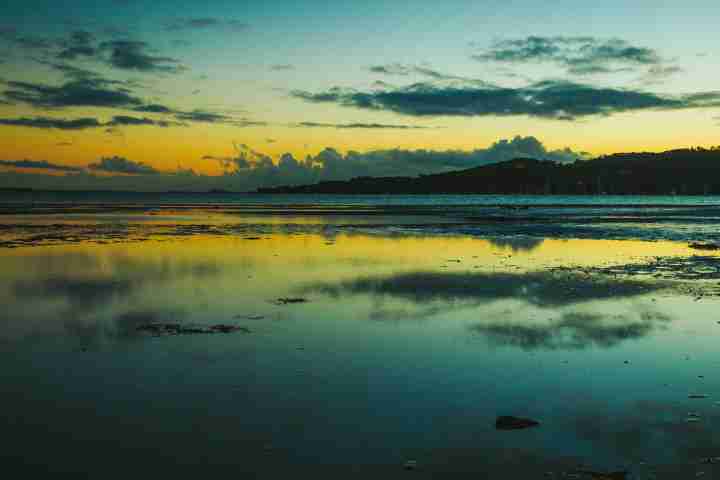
<point>692,171</point>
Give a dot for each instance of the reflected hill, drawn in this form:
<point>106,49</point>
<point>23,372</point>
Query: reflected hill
<point>694,171</point>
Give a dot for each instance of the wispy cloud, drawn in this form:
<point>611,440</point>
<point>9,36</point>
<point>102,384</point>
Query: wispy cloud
<point>85,123</point>
<point>206,23</point>
<point>122,165</point>
<point>77,93</point>
<point>560,100</point>
<point>39,164</point>
<point>399,69</point>
<point>370,126</point>
<point>80,44</point>
<point>135,55</point>
<point>577,55</point>
<point>52,123</point>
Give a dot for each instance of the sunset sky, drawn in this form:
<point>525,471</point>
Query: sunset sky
<point>225,94</point>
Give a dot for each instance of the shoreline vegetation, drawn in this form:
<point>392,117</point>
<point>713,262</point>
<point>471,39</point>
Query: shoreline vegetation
<point>694,171</point>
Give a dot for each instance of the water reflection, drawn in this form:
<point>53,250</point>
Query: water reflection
<point>86,296</point>
<point>536,288</point>
<point>517,243</point>
<point>573,330</point>
<point>327,383</point>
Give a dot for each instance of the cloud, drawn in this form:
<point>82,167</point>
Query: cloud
<point>10,35</point>
<point>77,93</point>
<point>52,123</point>
<point>578,55</point>
<point>89,90</point>
<point>247,169</point>
<point>282,67</point>
<point>551,99</point>
<point>153,108</point>
<point>74,73</point>
<point>371,126</point>
<point>200,116</point>
<point>133,55</point>
<point>253,168</point>
<point>122,165</point>
<point>203,116</point>
<point>658,73</point>
<point>398,69</point>
<point>77,74</point>
<point>211,117</point>
<point>205,23</point>
<point>80,44</point>
<point>39,164</point>
<point>124,120</point>
<point>85,123</point>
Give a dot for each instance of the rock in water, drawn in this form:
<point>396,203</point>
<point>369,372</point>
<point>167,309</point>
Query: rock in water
<point>410,465</point>
<point>514,423</point>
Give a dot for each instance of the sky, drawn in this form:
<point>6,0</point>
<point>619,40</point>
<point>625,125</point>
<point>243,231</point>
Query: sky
<point>156,95</point>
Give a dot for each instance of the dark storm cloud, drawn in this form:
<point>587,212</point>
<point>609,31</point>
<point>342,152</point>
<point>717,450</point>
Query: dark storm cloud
<point>52,123</point>
<point>39,164</point>
<point>122,165</point>
<point>578,55</point>
<point>550,99</point>
<point>370,126</point>
<point>205,23</point>
<point>77,93</point>
<point>134,55</point>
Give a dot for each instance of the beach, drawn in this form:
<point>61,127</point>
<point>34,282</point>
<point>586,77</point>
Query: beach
<point>351,341</point>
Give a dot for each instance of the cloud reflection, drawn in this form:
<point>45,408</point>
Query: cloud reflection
<point>573,331</point>
<point>535,288</point>
<point>517,243</point>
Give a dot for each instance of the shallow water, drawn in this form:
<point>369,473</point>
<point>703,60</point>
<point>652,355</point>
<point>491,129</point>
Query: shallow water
<point>411,342</point>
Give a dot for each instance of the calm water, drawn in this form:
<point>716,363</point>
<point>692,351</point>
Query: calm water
<point>418,330</point>
<point>350,200</point>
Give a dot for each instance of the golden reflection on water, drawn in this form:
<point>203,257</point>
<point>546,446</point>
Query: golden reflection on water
<point>370,342</point>
<point>317,255</point>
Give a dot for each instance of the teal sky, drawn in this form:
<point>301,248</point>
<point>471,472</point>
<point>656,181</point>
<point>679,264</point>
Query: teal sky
<point>298,77</point>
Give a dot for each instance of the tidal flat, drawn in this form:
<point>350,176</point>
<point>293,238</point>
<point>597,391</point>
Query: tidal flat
<point>186,342</point>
